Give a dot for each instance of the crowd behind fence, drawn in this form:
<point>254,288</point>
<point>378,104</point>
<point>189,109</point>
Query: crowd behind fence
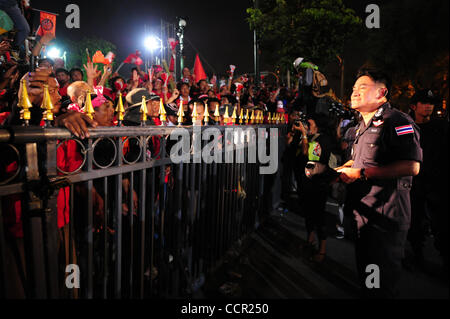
<point>162,226</point>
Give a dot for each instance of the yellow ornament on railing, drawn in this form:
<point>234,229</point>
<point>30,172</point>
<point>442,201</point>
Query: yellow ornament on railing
<point>226,117</point>
<point>206,114</point>
<point>120,109</point>
<point>194,114</point>
<point>247,117</point>
<point>88,108</point>
<point>234,116</point>
<point>162,112</point>
<point>143,111</point>
<point>241,117</point>
<point>252,118</point>
<point>217,114</point>
<point>47,105</point>
<point>180,114</point>
<point>25,104</point>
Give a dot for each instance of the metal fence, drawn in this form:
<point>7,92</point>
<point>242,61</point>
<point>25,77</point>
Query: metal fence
<point>134,223</point>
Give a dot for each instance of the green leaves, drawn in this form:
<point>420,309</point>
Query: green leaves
<point>77,50</point>
<point>316,30</point>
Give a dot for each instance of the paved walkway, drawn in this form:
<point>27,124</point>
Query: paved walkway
<point>269,265</point>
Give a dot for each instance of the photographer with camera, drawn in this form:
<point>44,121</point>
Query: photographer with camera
<point>316,145</point>
<point>291,156</point>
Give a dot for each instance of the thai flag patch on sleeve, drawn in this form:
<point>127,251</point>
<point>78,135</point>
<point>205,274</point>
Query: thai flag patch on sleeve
<point>403,130</point>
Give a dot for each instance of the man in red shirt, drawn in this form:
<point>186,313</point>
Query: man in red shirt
<point>63,77</point>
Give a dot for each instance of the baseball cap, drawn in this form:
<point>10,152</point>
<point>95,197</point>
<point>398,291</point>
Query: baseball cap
<point>171,109</point>
<point>424,96</point>
<point>134,97</point>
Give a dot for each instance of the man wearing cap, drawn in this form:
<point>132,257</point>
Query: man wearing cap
<point>429,201</point>
<point>386,155</point>
<point>133,113</point>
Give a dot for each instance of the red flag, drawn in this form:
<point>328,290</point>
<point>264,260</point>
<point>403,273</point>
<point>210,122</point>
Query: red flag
<point>47,24</point>
<point>199,72</point>
<point>173,44</point>
<point>134,58</point>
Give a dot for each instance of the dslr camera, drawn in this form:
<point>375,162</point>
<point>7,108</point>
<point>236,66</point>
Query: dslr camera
<point>302,120</point>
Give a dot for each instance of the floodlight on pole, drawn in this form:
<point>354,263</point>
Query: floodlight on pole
<point>54,53</point>
<point>152,43</point>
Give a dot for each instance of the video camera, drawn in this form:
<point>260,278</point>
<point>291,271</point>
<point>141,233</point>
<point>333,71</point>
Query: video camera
<point>340,111</point>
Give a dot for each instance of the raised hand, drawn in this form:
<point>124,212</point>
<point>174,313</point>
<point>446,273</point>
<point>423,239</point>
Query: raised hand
<point>91,70</point>
<point>47,38</point>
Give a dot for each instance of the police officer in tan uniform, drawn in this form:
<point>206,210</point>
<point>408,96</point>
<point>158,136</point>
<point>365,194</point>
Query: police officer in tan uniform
<point>385,156</point>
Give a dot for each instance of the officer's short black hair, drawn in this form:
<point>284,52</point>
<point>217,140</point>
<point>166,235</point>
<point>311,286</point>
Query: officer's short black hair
<point>377,76</point>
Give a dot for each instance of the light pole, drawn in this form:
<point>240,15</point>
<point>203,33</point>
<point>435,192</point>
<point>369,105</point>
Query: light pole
<point>180,33</point>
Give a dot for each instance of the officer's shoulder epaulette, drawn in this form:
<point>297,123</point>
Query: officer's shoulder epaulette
<point>396,116</point>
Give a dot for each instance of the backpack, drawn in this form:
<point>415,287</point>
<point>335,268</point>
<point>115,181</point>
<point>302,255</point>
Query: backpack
<point>319,84</point>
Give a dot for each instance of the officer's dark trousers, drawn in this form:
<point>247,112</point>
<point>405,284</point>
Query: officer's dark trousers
<point>384,249</point>
<point>313,200</point>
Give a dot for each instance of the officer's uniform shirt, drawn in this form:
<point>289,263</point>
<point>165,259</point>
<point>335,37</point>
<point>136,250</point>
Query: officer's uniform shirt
<point>389,137</point>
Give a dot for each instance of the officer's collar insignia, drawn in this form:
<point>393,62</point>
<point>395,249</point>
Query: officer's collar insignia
<point>379,113</point>
<point>378,123</point>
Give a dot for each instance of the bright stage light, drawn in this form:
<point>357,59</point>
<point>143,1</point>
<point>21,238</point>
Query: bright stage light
<point>152,43</point>
<point>54,53</point>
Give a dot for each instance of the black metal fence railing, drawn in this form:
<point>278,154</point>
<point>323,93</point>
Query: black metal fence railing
<point>113,216</point>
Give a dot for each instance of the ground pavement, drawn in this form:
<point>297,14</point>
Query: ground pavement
<point>269,264</point>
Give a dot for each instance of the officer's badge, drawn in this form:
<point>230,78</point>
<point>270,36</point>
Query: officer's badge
<point>378,123</point>
<point>379,112</point>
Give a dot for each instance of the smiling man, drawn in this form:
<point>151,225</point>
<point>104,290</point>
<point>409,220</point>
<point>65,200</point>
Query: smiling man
<point>385,156</point>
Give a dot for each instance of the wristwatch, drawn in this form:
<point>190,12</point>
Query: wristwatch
<point>363,174</point>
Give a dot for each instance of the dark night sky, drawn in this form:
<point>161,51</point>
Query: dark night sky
<point>217,29</point>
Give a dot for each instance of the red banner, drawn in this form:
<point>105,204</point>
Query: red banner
<point>47,24</point>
